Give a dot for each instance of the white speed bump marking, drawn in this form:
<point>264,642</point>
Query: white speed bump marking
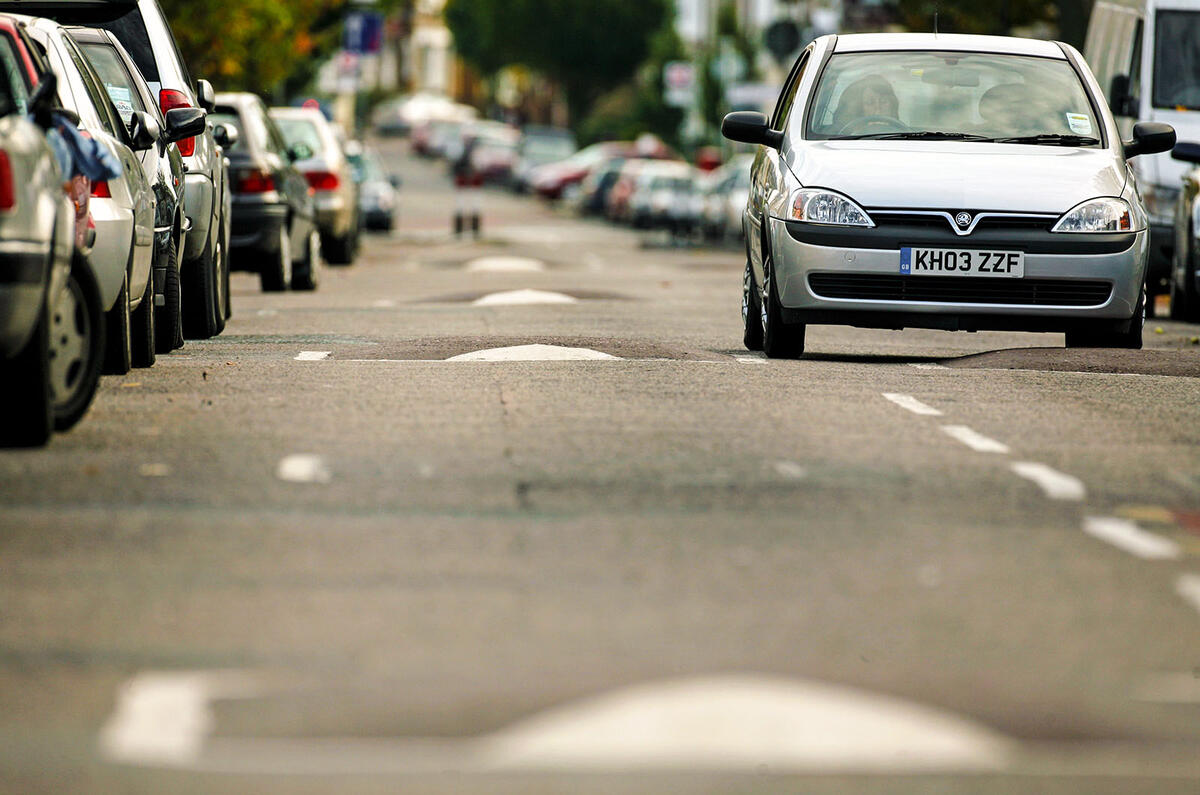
<point>791,470</point>
<point>928,366</point>
<point>533,353</point>
<point>912,404</point>
<point>1127,536</point>
<point>524,298</point>
<point>976,441</point>
<point>505,265</point>
<point>303,468</point>
<point>155,470</point>
<point>1056,485</point>
<point>1188,587</point>
<point>312,356</point>
<point>735,723</point>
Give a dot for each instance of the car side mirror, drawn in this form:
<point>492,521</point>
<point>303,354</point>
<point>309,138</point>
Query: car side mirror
<point>185,123</point>
<point>298,152</point>
<point>1150,138</point>
<point>395,181</point>
<point>205,95</point>
<point>144,131</point>
<point>750,127</point>
<point>1118,96</point>
<point>226,135</point>
<point>1188,152</point>
<point>44,98</point>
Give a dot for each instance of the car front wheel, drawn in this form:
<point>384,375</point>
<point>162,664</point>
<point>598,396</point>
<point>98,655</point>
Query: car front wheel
<point>780,340</point>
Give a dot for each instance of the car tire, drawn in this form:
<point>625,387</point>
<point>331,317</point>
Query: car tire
<point>118,351</point>
<point>25,401</point>
<point>168,325</point>
<point>1185,302</point>
<point>202,294</point>
<point>276,275</point>
<point>780,340</point>
<point>339,250</point>
<point>142,322</point>
<point>308,275</point>
<point>752,327</point>
<point>1127,334</point>
<point>76,345</point>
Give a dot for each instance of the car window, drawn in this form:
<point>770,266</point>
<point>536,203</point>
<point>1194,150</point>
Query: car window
<point>1135,65</point>
<point>985,94</point>
<point>228,116</point>
<point>1177,60</point>
<point>14,86</point>
<point>275,142</point>
<point>91,84</point>
<point>787,99</point>
<point>300,131</point>
<point>117,82</point>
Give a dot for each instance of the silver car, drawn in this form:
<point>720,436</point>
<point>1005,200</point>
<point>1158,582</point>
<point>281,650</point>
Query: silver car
<point>947,182</point>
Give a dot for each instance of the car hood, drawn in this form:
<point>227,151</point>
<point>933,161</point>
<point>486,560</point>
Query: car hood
<point>951,175</point>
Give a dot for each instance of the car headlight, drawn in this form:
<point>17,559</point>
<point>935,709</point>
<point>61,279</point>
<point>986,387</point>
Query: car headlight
<point>816,206</point>
<point>1097,215</point>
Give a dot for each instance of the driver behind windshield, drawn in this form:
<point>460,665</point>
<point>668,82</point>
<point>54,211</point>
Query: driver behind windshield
<point>867,99</point>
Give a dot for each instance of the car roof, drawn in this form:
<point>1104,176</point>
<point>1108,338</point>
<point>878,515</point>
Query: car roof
<point>954,42</point>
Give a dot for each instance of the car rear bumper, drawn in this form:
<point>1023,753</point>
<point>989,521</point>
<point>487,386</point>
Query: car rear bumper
<point>255,226</point>
<point>823,279</point>
<point>22,284</point>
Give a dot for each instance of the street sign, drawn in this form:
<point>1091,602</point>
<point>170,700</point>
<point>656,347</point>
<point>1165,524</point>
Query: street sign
<point>679,84</point>
<point>782,38</point>
<point>363,32</point>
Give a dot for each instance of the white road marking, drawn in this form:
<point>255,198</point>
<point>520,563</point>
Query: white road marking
<point>303,468</point>
<point>1126,535</point>
<point>383,303</point>
<point>1188,586</point>
<point>533,353</point>
<point>976,441</point>
<point>1056,485</point>
<point>524,298</point>
<point>928,366</point>
<point>312,356</point>
<point>155,470</point>
<point>791,470</point>
<point>505,265</point>
<point>1170,688</point>
<point>267,312</point>
<point>912,404</point>
<point>750,359</point>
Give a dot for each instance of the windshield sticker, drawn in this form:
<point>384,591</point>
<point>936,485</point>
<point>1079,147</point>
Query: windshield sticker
<point>122,98</point>
<point>1079,123</point>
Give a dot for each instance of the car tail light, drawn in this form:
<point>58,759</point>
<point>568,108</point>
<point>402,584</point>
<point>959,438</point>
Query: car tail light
<point>254,181</point>
<point>169,99</point>
<point>8,194</point>
<point>100,190</point>
<point>322,180</point>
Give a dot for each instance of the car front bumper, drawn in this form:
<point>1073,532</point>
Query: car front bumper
<point>834,275</point>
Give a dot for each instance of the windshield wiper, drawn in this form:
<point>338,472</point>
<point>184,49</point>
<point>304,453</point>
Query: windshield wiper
<point>1050,139</point>
<point>914,135</point>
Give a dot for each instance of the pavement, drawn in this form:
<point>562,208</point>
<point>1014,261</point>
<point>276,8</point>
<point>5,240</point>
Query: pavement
<point>312,554</point>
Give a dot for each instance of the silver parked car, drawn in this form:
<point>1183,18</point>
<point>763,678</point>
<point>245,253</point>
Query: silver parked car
<point>947,182</point>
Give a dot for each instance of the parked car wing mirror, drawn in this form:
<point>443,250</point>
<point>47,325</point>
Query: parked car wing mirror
<point>185,123</point>
<point>299,152</point>
<point>750,127</point>
<point>144,131</point>
<point>205,95</point>
<point>1188,152</point>
<point>226,135</point>
<point>1150,138</point>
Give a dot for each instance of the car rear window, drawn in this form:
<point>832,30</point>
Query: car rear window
<point>116,79</point>
<point>300,131</point>
<point>123,19</point>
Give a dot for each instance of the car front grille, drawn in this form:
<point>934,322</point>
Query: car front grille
<point>900,219</point>
<point>956,289</point>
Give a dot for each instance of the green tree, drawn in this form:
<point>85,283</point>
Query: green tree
<point>588,46</point>
<point>972,16</point>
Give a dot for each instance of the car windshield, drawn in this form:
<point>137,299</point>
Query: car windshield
<point>952,95</point>
<point>116,79</point>
<point>1177,60</point>
<point>547,149</point>
<point>300,131</point>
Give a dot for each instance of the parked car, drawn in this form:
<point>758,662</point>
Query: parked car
<point>122,208</point>
<point>1146,56</point>
<point>725,197</point>
<point>143,30</point>
<point>376,190</point>
<point>951,182</point>
<point>310,137</point>
<point>595,188</point>
<point>51,336</point>
<point>662,197</point>
<point>1185,266</point>
<point>163,166</point>
<point>274,226</point>
<point>540,145</point>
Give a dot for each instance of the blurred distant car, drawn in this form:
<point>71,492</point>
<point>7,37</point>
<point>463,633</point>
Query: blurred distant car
<point>402,115</point>
<point>320,159</point>
<point>376,191</point>
<point>274,218</point>
<point>493,150</point>
<point>552,180</point>
<point>1185,265</point>
<point>539,146</point>
<point>663,197</point>
<point>724,199</point>
<point>595,188</point>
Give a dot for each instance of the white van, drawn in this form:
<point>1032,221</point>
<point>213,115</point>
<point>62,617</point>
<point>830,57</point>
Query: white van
<point>1146,55</point>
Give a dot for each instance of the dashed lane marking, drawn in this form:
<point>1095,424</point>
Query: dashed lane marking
<point>505,265</point>
<point>1188,587</point>
<point>524,298</point>
<point>976,441</point>
<point>1054,484</point>
<point>791,470</point>
<point>1126,535</point>
<point>312,356</point>
<point>303,468</point>
<point>910,403</point>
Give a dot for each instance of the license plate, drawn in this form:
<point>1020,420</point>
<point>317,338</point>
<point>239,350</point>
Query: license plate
<point>961,262</point>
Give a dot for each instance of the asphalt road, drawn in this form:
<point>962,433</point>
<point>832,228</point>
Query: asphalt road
<point>313,555</point>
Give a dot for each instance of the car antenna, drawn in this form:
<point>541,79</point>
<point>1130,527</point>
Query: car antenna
<point>935,20</point>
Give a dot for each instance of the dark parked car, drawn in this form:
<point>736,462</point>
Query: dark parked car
<point>1185,266</point>
<point>274,222</point>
